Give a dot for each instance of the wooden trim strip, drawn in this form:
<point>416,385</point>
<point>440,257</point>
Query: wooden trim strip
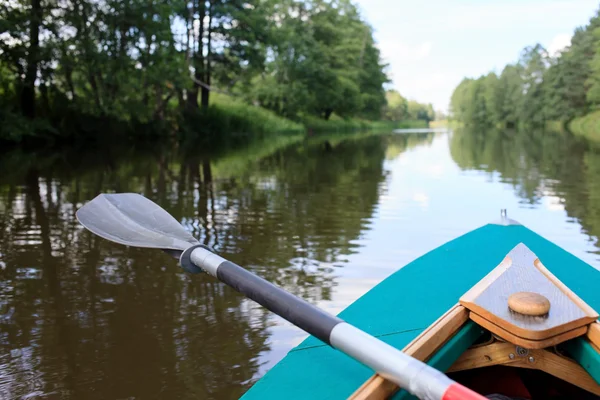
<point>471,295</point>
<point>432,338</point>
<point>593,334</point>
<point>589,311</point>
<point>421,348</point>
<point>376,387</point>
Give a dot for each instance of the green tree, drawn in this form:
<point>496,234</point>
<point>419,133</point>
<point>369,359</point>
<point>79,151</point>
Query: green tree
<point>396,108</point>
<point>420,111</point>
<point>324,61</point>
<point>226,40</point>
<point>510,94</point>
<point>372,76</point>
<point>593,81</point>
<point>493,102</point>
<point>460,101</point>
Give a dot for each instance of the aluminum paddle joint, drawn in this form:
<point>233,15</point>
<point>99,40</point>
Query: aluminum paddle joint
<point>185,260</point>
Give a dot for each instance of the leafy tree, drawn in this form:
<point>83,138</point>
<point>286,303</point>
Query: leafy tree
<point>533,63</point>
<point>372,76</point>
<point>491,98</point>
<point>226,40</point>
<point>459,102</point>
<point>396,108</point>
<point>420,111</point>
<point>593,81</point>
<point>325,61</point>
<point>510,94</point>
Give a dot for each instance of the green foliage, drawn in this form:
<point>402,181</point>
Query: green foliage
<point>587,126</point>
<point>538,88</point>
<point>593,81</point>
<point>241,121</point>
<point>397,108</point>
<point>324,61</point>
<point>156,63</point>
<point>420,111</point>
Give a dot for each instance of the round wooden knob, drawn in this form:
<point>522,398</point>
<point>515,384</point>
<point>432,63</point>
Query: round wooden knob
<point>528,303</point>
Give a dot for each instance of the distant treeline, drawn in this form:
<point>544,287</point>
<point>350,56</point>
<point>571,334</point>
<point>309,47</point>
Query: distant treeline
<point>71,66</point>
<point>398,108</point>
<point>540,87</point>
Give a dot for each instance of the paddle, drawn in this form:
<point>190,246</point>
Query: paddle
<point>133,220</point>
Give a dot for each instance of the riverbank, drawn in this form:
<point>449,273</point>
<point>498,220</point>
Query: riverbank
<point>587,126</point>
<point>226,121</point>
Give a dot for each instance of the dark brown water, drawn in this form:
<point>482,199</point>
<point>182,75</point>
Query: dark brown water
<point>326,218</point>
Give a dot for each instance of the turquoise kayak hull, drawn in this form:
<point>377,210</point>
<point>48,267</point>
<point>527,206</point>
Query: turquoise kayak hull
<point>407,302</point>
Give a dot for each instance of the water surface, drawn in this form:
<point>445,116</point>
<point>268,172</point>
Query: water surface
<point>326,217</point>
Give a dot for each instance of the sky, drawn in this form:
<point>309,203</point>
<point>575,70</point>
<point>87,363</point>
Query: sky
<point>430,45</point>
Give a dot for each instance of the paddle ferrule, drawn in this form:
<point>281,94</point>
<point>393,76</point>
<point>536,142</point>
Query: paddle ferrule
<point>198,261</point>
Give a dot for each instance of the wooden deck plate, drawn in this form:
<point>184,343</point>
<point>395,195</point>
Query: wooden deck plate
<point>522,271</point>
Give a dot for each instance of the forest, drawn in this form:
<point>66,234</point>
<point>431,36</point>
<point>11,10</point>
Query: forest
<point>82,68</point>
<point>538,88</point>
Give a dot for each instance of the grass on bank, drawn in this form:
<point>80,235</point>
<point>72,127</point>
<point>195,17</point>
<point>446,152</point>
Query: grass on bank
<point>587,126</point>
<point>232,114</point>
<point>338,124</point>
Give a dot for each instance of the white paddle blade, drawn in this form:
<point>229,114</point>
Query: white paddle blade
<point>133,220</point>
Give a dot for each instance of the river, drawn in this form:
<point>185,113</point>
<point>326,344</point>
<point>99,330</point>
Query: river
<point>327,218</point>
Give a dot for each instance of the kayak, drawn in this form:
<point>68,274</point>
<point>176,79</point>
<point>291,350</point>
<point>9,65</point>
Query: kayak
<point>501,310</point>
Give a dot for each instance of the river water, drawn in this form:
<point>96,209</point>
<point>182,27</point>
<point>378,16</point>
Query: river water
<point>327,218</point>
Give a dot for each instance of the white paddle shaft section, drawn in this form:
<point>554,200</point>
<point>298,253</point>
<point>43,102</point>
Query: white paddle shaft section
<point>207,260</point>
<point>413,375</point>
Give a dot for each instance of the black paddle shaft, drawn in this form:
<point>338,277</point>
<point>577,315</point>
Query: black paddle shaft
<point>294,309</point>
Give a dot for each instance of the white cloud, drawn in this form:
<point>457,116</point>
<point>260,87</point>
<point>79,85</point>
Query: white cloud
<point>399,51</point>
<point>495,16</point>
<point>559,43</point>
<point>424,50</point>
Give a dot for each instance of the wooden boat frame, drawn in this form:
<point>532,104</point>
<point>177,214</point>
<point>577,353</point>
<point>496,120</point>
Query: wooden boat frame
<point>449,343</point>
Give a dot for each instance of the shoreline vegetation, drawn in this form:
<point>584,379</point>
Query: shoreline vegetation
<point>587,126</point>
<point>89,71</point>
<point>540,89</point>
